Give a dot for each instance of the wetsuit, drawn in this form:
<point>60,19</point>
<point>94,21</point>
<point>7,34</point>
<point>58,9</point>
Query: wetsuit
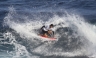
<point>45,29</point>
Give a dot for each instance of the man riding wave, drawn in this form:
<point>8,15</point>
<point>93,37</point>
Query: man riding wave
<point>47,31</point>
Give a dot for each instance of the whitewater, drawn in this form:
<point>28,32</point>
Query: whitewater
<point>76,36</point>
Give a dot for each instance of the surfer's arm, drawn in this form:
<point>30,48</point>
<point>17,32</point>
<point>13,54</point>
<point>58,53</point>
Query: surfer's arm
<point>45,29</point>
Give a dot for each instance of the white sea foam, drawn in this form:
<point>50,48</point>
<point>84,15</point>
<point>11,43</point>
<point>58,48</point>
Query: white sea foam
<point>75,22</point>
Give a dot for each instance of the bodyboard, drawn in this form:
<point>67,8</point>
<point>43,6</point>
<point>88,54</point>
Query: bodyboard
<point>48,38</point>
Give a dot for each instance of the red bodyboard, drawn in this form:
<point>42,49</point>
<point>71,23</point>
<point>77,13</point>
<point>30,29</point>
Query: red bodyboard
<point>48,38</point>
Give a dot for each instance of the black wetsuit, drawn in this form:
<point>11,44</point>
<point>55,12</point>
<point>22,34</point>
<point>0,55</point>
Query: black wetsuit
<point>43,32</point>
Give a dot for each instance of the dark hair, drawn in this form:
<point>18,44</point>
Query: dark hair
<point>51,25</point>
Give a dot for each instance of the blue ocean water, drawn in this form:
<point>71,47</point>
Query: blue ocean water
<point>20,21</point>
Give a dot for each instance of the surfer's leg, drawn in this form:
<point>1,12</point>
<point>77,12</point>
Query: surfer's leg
<point>45,35</point>
<point>50,33</point>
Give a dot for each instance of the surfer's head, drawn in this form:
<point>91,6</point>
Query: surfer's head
<point>51,25</point>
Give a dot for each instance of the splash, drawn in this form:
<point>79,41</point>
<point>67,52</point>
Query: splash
<point>19,51</point>
<point>28,29</point>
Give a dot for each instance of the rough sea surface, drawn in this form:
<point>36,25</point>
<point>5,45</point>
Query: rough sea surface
<point>75,30</point>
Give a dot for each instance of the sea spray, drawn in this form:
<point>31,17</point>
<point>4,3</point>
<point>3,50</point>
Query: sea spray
<point>28,31</point>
